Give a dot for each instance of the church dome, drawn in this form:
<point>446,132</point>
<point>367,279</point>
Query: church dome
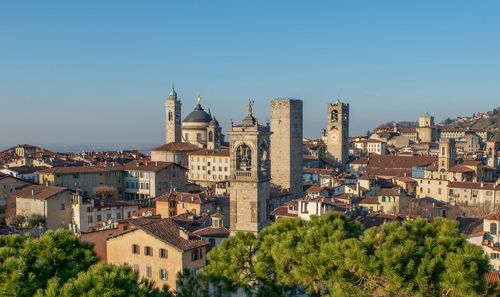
<point>198,115</point>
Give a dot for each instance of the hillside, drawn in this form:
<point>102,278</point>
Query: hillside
<point>488,120</point>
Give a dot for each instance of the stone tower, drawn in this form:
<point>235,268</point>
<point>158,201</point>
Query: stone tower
<point>426,128</point>
<point>446,156</point>
<point>173,118</point>
<point>214,134</point>
<point>337,145</point>
<point>250,174</point>
<point>286,145</point>
<point>492,148</point>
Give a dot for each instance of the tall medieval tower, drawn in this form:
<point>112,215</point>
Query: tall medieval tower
<point>173,118</point>
<point>250,174</point>
<point>337,145</point>
<point>286,145</point>
<point>446,156</point>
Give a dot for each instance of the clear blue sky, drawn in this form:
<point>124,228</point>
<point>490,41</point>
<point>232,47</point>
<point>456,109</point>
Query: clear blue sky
<point>99,71</point>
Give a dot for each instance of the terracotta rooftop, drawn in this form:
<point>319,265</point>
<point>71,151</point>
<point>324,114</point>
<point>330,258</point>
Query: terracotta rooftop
<point>176,147</point>
<point>223,152</point>
<point>73,170</point>
<point>459,168</point>
<point>212,232</point>
<point>149,166</point>
<point>493,217</point>
<point>168,231</point>
<point>39,192</point>
<point>474,185</point>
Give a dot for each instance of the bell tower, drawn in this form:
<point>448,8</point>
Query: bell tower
<point>173,118</point>
<point>446,156</point>
<point>250,174</point>
<point>337,144</point>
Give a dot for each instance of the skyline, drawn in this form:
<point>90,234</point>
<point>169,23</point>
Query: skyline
<point>98,73</point>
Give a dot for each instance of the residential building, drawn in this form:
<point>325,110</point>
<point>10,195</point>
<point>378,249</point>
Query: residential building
<point>158,251</point>
<point>377,147</point>
<point>95,213</point>
<point>52,203</point>
<point>207,167</point>
<point>145,180</point>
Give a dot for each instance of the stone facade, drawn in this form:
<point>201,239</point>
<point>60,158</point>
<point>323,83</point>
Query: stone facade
<point>338,132</point>
<point>250,174</point>
<point>286,148</point>
<point>173,118</point>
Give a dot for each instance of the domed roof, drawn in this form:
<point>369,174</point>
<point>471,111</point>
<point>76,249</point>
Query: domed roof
<point>198,115</point>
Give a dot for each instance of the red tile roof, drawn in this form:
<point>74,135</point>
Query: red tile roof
<point>474,185</point>
<point>176,147</point>
<point>39,192</point>
<point>493,217</point>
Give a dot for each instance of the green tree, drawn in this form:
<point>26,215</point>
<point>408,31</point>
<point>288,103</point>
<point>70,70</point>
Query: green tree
<point>26,264</point>
<point>102,280</point>
<point>331,256</point>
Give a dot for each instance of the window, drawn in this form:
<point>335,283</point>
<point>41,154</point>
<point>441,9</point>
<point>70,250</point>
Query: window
<point>63,206</point>
<point>91,219</point>
<point>494,256</point>
<point>163,274</point>
<point>163,253</point>
<point>493,228</point>
<point>149,271</point>
<point>148,251</point>
<point>135,249</point>
<point>108,216</point>
<point>196,254</point>
<point>118,216</point>
<point>129,215</point>
<point>212,241</point>
<point>99,218</point>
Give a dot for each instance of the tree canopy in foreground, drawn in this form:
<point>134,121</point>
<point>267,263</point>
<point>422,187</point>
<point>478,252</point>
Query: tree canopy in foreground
<point>331,256</point>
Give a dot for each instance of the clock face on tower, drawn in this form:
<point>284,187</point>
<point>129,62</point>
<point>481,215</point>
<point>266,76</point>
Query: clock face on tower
<point>334,137</point>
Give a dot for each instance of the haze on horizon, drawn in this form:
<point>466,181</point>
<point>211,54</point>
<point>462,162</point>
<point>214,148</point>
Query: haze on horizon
<point>99,72</point>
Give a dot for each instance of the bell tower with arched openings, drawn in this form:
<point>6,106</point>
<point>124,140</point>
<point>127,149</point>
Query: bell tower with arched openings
<point>250,174</point>
<point>173,118</point>
<point>337,144</point>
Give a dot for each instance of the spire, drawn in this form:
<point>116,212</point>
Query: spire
<point>173,94</point>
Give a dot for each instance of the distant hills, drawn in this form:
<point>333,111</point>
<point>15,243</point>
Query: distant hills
<point>482,120</point>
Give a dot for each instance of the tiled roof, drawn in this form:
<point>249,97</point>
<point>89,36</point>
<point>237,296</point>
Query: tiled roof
<point>168,231</point>
<point>315,189</point>
<point>39,192</point>
<point>72,170</point>
<point>208,152</point>
<point>493,276</point>
<point>212,232</point>
<point>493,217</point>
<point>360,161</point>
<point>474,185</point>
<point>469,226</point>
<point>176,147</point>
<point>390,192</point>
<point>460,169</point>
<point>282,211</point>
<point>149,166</point>
<point>369,200</point>
<point>377,219</point>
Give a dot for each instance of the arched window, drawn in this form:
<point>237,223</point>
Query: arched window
<point>243,158</point>
<point>493,228</point>
<point>210,136</point>
<point>335,115</point>
<point>264,157</point>
<point>443,151</point>
<point>170,116</point>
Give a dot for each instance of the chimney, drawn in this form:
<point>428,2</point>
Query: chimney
<point>183,233</point>
<point>32,192</point>
<point>137,164</point>
<point>146,163</point>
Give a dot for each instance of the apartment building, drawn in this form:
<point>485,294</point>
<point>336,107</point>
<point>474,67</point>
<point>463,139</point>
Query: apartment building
<point>158,251</point>
<point>207,167</point>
